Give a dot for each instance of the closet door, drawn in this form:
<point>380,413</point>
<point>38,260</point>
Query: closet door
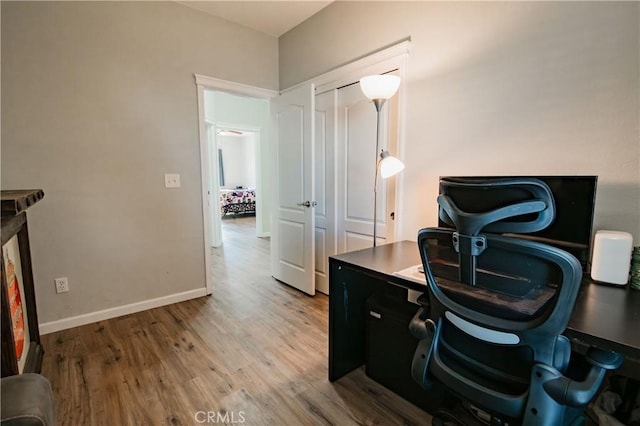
<point>356,165</point>
<point>325,181</point>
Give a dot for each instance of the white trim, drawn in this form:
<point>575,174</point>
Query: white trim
<point>204,179</point>
<point>214,185</point>
<point>482,333</point>
<point>231,86</point>
<point>105,314</point>
<point>402,143</point>
<point>344,72</point>
<point>240,127</point>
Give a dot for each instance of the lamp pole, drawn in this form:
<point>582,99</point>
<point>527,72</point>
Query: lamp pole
<point>378,88</point>
<point>378,103</point>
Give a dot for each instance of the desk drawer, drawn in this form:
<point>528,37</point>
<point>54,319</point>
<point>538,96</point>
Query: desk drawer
<point>390,348</point>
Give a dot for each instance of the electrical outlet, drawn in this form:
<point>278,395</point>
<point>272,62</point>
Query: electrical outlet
<point>172,180</point>
<point>62,285</point>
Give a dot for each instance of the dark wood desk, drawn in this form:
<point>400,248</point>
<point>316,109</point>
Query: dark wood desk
<point>606,317</point>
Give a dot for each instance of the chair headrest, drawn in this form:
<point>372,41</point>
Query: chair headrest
<point>496,205</point>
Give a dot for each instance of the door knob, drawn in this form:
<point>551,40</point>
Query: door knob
<point>305,204</point>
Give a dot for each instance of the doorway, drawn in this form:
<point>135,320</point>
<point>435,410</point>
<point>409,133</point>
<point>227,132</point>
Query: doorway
<point>236,169</point>
<point>238,159</point>
<point>231,108</point>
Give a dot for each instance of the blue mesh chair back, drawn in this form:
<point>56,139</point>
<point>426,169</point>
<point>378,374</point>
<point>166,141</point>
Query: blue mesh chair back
<point>498,302</point>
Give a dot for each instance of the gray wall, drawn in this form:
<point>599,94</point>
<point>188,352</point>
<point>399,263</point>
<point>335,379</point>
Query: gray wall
<point>498,88</point>
<point>98,102</point>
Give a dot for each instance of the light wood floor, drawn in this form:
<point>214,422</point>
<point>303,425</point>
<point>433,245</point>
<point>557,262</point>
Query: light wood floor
<point>255,353</point>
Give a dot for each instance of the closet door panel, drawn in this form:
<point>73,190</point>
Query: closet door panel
<point>356,163</point>
<point>324,154</point>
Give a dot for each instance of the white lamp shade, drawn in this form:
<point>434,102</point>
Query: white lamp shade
<point>379,86</point>
<point>390,166</point>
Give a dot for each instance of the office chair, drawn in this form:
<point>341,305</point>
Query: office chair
<point>490,328</point>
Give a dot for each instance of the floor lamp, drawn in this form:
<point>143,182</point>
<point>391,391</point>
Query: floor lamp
<point>379,88</point>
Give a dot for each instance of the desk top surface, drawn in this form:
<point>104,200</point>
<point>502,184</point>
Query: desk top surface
<point>604,316</point>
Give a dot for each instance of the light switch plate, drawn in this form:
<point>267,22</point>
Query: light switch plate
<point>172,180</point>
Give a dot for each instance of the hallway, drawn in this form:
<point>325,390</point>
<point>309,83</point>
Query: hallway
<point>239,250</point>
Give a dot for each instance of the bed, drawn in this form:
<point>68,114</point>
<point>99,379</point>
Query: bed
<point>237,201</point>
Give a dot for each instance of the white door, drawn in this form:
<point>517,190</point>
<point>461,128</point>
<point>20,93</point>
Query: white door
<point>356,166</point>
<point>325,194</point>
<point>292,234</point>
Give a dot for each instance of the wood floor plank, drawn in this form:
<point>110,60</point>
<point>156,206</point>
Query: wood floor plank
<point>255,350</point>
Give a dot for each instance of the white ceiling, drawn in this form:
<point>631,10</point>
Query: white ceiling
<point>271,17</point>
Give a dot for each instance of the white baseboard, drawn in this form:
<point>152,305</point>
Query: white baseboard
<point>264,235</point>
<point>65,323</point>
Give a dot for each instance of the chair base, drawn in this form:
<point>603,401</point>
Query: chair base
<point>463,414</point>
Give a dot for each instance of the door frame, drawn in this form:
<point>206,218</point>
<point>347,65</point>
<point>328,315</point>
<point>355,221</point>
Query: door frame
<point>214,186</point>
<point>210,83</point>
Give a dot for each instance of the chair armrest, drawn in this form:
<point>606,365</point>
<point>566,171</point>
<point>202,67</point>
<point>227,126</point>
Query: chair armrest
<point>566,391</point>
<point>27,400</point>
<point>575,393</point>
<point>418,326</point>
<point>608,360</point>
<point>425,330</point>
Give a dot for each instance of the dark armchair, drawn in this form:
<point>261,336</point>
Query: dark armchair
<point>491,327</point>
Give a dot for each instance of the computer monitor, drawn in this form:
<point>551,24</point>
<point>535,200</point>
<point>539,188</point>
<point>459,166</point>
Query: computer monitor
<point>573,225</point>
